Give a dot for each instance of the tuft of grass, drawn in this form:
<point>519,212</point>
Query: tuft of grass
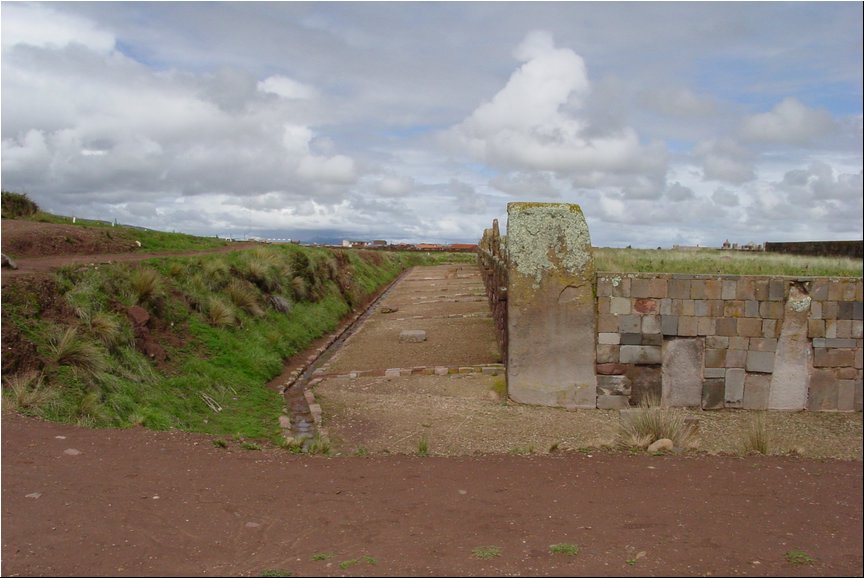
<point>486,552</point>
<point>106,328</point>
<point>274,572</point>
<point>28,392</point>
<point>370,560</point>
<point>566,549</point>
<point>220,313</point>
<point>146,285</point>
<point>651,423</point>
<point>322,556</point>
<point>220,444</point>
<point>361,452</point>
<point>250,446</point>
<point>423,447</point>
<point>345,564</point>
<point>70,349</point>
<point>756,438</point>
<point>320,446</point>
<point>799,558</point>
<point>244,297</point>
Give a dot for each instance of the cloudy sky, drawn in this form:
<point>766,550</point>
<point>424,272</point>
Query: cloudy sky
<point>686,123</point>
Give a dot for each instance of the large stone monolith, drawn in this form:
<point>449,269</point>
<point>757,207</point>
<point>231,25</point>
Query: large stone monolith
<point>550,307</point>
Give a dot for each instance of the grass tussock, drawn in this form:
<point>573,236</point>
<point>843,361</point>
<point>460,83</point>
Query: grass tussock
<point>245,297</point>
<point>220,313</point>
<point>756,437</point>
<point>650,423</point>
<point>146,285</point>
<point>69,349</point>
<point>27,392</point>
<point>17,205</point>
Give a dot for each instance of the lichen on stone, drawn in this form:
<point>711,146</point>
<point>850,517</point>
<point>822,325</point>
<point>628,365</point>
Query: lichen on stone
<point>800,305</point>
<point>545,236</point>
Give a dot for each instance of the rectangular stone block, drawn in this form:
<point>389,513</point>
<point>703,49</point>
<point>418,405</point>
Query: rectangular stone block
<point>727,326</point>
<point>823,392</point>
<point>688,326</point>
<point>629,323</point>
<point>669,324</point>
<point>739,342</point>
<point>845,395</point>
<point>640,288</point>
<point>631,339</point>
<point>657,288</point>
<point>613,385</point>
<point>815,310</point>
<point>609,338</point>
<point>717,342</point>
<point>857,329</point>
<point>736,358</point>
<point>644,306</point>
<point>833,357</point>
<point>730,289</point>
<point>715,308</point>
<point>664,306</point>
<point>683,360</point>
<point>733,308</point>
<point>607,323</point>
<point>603,305</point>
<point>617,402</point>
<point>844,328</point>
<point>700,308</point>
<point>652,339</point>
<point>836,290</point>
<point>823,342</point>
<point>760,361</point>
<point>688,308</point>
<point>713,289</point>
<point>641,354</point>
<point>748,327</point>
<point>771,309</point>
<point>650,324</point>
<point>859,395</point>
<point>607,353</point>
<point>756,391</point>
<point>734,387</point>
<point>697,289</point>
<point>831,328</point>
<point>763,344</point>
<point>829,310</point>
<point>746,289</point>
<point>815,328</point>
<point>679,288</point>
<point>819,290</point>
<point>760,289</point>
<point>620,306</point>
<point>714,372</point>
<point>611,369</point>
<point>844,310</point>
<point>858,311</point>
<point>751,308</point>
<point>706,326</point>
<point>713,394</point>
<point>715,357</point>
<point>776,290</point>
<point>770,328</point>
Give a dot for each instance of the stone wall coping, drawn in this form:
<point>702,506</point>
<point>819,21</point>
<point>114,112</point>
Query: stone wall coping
<point>715,276</point>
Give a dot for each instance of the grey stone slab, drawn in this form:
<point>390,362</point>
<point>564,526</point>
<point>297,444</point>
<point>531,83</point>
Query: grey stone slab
<point>713,394</point>
<point>776,290</point>
<point>751,308</point>
<point>630,323</point>
<point>713,372</point>
<point>631,339</point>
<point>846,395</point>
<point>412,336</point>
<point>618,402</point>
<point>551,309</point>
<point>735,386</point>
<point>669,324</point>
<point>641,354</point>
<point>760,361</point>
<point>651,324</point>
<point>609,338</point>
<point>608,353</point>
<point>645,383</point>
<point>756,391</point>
<point>823,392</point>
<point>794,356</point>
<point>716,342</point>
<point>652,339</point>
<point>824,342</point>
<point>683,360</point>
<point>736,358</point>
<point>613,385</point>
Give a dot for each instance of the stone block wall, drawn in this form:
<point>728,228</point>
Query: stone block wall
<point>729,341</point>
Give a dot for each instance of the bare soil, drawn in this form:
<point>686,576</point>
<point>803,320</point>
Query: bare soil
<point>133,502</point>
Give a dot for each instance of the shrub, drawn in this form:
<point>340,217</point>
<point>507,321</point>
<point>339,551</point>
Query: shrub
<point>17,205</point>
<point>219,313</point>
<point>69,349</point>
<point>651,423</point>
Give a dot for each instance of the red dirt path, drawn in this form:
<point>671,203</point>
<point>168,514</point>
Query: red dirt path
<point>137,502</point>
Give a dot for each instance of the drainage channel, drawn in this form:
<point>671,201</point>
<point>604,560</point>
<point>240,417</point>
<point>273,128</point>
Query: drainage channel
<point>303,428</point>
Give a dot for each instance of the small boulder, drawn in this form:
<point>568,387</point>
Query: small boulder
<point>661,445</point>
<point>412,336</point>
<point>8,263</point>
<point>389,309</point>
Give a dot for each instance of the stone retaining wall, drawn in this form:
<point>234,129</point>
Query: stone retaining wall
<point>729,341</point>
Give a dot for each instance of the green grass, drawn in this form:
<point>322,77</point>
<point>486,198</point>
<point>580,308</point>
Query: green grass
<point>423,447</point>
<point>345,564</point>
<point>716,261</point>
<point>274,572</point>
<point>799,558</point>
<point>486,552</point>
<point>213,377</point>
<point>566,549</point>
<point>321,556</point>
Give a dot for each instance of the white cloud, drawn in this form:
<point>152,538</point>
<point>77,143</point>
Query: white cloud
<point>527,184</point>
<point>725,198</point>
<point>789,123</point>
<point>287,88</point>
<point>679,102</point>
<point>533,124</point>
<point>393,185</point>
<point>336,169</point>
<point>677,192</point>
<point>39,25</point>
<point>725,160</point>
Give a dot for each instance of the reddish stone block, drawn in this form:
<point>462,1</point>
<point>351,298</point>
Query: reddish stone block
<point>645,305</point>
<point>611,368</point>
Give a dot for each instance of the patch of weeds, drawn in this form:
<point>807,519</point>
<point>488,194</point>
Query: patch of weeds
<point>220,443</point>
<point>250,446</point>
<point>321,556</point>
<point>370,560</point>
<point>320,445</point>
<point>522,450</point>
<point>651,423</point>
<point>584,450</point>
<point>345,564</point>
<point>755,437</point>
<point>499,386</point>
<point>276,572</point>
<point>566,549</point>
<point>486,552</point>
<point>361,452</point>
<point>423,447</point>
<point>799,558</point>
